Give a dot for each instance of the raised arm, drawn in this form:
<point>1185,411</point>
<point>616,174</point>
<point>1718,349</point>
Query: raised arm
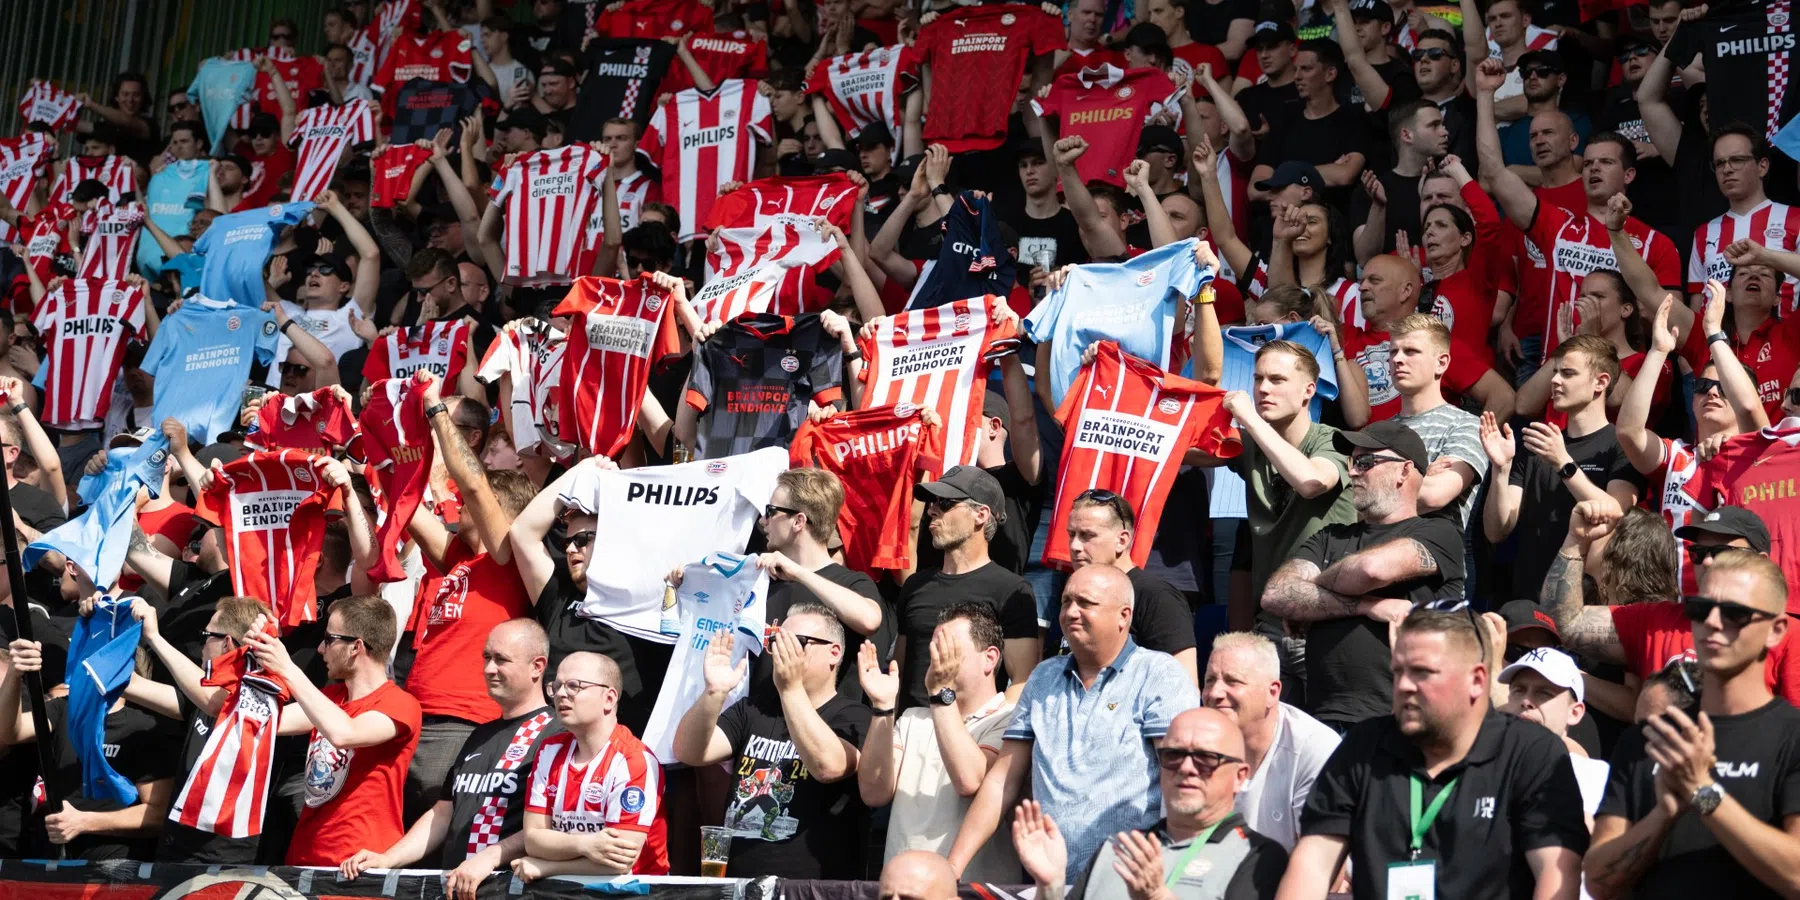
<point>1643,447</point>
<point>1309,476</point>
<point>1233,250</point>
<point>368,253</point>
<point>1374,88</point>
<point>1516,198</point>
<point>1100,241</point>
<point>1734,377</point>
<point>1586,629</point>
<point>480,507</point>
<point>1500,514</point>
<point>188,675</point>
<point>1660,119</point>
<point>37,441</point>
<point>699,741</point>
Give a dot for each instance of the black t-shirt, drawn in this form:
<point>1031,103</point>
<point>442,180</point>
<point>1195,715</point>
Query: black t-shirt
<point>1515,791</point>
<point>1459,121</point>
<point>1758,765</point>
<point>927,594</point>
<point>785,822</point>
<point>1317,141</point>
<point>1743,47</point>
<point>570,631</point>
<point>1348,677</point>
<point>139,746</point>
<point>36,507</point>
<point>494,764</point>
<point>756,376</point>
<point>1269,104</point>
<point>1160,617</point>
<point>1058,236</point>
<point>1012,540</point>
<point>1655,197</point>
<point>180,844</point>
<point>1545,506</point>
<point>1402,207</point>
<point>1210,22</point>
<point>784,594</point>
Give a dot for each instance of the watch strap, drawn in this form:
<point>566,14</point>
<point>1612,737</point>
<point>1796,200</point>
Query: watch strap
<point>435,408</point>
<point>881,712</point>
<point>1718,336</point>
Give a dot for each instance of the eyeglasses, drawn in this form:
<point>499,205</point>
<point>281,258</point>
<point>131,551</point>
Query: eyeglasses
<point>572,687</point>
<point>1432,53</point>
<point>1635,52</point>
<point>180,107</point>
<point>214,636</point>
<point>1206,762</point>
<point>580,540</point>
<point>1369,461</point>
<point>1539,71</point>
<point>770,510</point>
<point>807,640</point>
<point>1700,553</point>
<point>1793,396</point>
<point>1704,386</point>
<point>340,638</point>
<point>1732,162</point>
<point>1734,615</point>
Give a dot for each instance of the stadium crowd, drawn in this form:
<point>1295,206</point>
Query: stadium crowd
<point>1149,448</point>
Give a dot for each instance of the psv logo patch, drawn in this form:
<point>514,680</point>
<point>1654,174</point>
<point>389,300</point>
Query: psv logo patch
<point>790,364</point>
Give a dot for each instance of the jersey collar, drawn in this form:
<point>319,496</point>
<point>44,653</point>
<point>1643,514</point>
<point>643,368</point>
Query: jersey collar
<point>1104,75</point>
<point>1787,431</point>
<point>296,406</point>
<point>765,325</point>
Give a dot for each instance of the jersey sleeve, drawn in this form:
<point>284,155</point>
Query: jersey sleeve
<point>375,365</point>
<point>633,790</point>
<point>826,376</point>
<point>1696,267</point>
<point>537,795</point>
<point>267,337</point>
<point>1052,104</point>
<point>300,126</point>
<point>762,118</point>
<point>459,63</point>
<point>1549,220</point>
<point>1663,258</point>
<point>1047,34</point>
<point>700,381</point>
<point>652,141</point>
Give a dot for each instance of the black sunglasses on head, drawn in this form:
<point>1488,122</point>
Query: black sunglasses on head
<point>1734,615</point>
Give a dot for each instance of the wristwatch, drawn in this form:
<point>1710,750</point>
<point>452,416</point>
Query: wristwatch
<point>1568,470</point>
<point>284,326</point>
<point>944,697</point>
<point>942,190</point>
<point>881,712</point>
<point>1707,799</point>
<point>435,408</point>
<point>1716,337</point>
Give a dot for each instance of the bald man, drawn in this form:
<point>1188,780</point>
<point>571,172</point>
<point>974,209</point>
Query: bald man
<point>457,833</point>
<point>1390,291</point>
<point>1106,693</point>
<point>917,875</point>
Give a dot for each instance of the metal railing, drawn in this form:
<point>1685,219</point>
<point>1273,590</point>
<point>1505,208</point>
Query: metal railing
<point>83,44</point>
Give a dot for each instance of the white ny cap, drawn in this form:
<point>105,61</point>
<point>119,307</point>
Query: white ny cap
<point>1556,666</point>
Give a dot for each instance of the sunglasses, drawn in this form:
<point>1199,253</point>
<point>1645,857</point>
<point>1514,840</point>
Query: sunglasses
<point>943,507</point>
<point>1432,53</point>
<point>807,640</point>
<point>1097,495</point>
<point>770,510</point>
<point>294,370</point>
<point>1539,71</point>
<point>580,540</point>
<point>1734,615</point>
<point>1365,463</point>
<point>340,638</point>
<point>1700,553</point>
<point>1205,761</point>
<point>1635,52</point>
<point>214,636</point>
<point>1793,396</point>
<point>321,268</point>
<point>1704,386</point>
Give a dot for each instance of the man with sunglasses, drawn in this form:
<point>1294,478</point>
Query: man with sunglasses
<point>1437,67</point>
<point>1355,582</point>
<point>336,288</point>
<point>1523,142</point>
<point>1201,849</point>
<point>1703,801</point>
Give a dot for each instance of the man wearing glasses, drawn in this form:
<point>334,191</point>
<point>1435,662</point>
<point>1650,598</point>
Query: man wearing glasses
<point>595,805</point>
<point>1740,163</point>
<point>794,811</point>
<point>1355,582</point>
<point>1202,849</point>
<point>1704,800</point>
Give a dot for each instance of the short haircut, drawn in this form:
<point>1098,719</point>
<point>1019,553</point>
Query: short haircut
<point>1599,351</point>
<point>1116,506</point>
<point>1753,563</point>
<point>1404,116</point>
<point>1327,50</point>
<point>467,413</point>
<point>1427,323</point>
<point>431,262</point>
<point>785,80</point>
<point>1456,627</point>
<point>1759,146</point>
<point>1681,677</point>
<point>238,614</point>
<point>621,121</point>
<point>1112,195</point>
<point>10,431</point>
<point>1303,358</point>
<point>334,550</point>
<point>1268,661</point>
<point>654,240</point>
<point>498,23</point>
<point>537,642</point>
<point>512,488</point>
<point>984,625</point>
<point>1627,152</point>
<point>370,618</point>
<point>834,629</point>
<point>610,675</point>
<point>818,495</point>
<point>197,132</point>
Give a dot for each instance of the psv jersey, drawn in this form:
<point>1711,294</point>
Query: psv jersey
<point>620,787</point>
<point>721,56</point>
<point>1127,425</point>
<point>765,201</point>
<point>1108,106</point>
<point>272,507</point>
<point>1761,473</point>
<point>227,790</point>
<point>530,352</point>
<point>701,140</point>
<point>879,455</point>
<point>548,196</point>
<point>118,173</point>
<point>321,135</point>
<point>1773,225</point>
<point>85,325</point>
<point>315,423</point>
<point>392,174</point>
<point>396,445</point>
<point>939,358</point>
<point>441,348</point>
<point>863,88</point>
<point>977,54</point>
<point>723,592</point>
<point>620,331</point>
<point>486,787</point>
<point>765,269</point>
<point>46,104</point>
<point>111,240</point>
<point>1562,247</point>
<point>754,380</point>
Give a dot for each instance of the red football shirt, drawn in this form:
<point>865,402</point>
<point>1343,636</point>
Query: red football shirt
<point>1464,302</point>
<point>1126,426</point>
<point>757,203</point>
<point>1561,248</point>
<point>1108,107</point>
<point>619,331</point>
<point>1761,473</point>
<point>316,423</point>
<point>272,507</point>
<point>439,56</point>
<point>721,56</point>
<point>1772,352</point>
<point>352,797</point>
<point>654,19</point>
<point>227,790</point>
<point>392,174</point>
<point>397,446</point>
<point>85,325</point>
<point>450,623</point>
<point>620,788</point>
<point>985,46</point>
<point>266,173</point>
<point>1190,58</point>
<point>878,454</point>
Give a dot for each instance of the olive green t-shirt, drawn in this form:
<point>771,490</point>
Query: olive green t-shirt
<point>1280,519</point>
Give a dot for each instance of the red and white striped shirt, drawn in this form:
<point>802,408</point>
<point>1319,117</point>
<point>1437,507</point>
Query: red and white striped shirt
<point>272,508</point>
<point>863,87</point>
<point>938,358</point>
<point>85,324</point>
<point>530,351</point>
<point>107,249</point>
<point>548,197</point>
<point>701,140</point>
<point>118,173</point>
<point>1127,425</point>
<point>619,331</point>
<point>363,54</point>
<point>619,787</point>
<point>1773,225</point>
<point>441,348</point>
<point>765,269</point>
<point>758,203</point>
<point>1562,247</point>
<point>320,135</point>
<point>45,102</point>
<point>635,190</point>
<point>22,161</point>
<point>228,789</point>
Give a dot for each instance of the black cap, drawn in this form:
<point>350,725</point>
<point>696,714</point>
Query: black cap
<point>965,483</point>
<point>1028,147</point>
<point>1288,173</point>
<point>1631,40</point>
<point>903,173</point>
<point>1523,614</point>
<point>1386,435</point>
<point>238,160</point>
<point>337,264</point>
<point>1379,10</point>
<point>263,124</point>
<point>1144,35</point>
<point>526,117</point>
<point>1549,58</point>
<point>993,406</point>
<point>834,160</point>
<point>1272,33</point>
<point>875,134</point>
<point>1729,521</point>
<point>557,65</point>
<point>1159,137</point>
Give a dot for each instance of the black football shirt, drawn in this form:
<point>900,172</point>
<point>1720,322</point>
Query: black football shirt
<point>621,82</point>
<point>752,381</point>
<point>487,785</point>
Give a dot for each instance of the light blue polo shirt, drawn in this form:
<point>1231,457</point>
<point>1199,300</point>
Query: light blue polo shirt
<point>1093,763</point>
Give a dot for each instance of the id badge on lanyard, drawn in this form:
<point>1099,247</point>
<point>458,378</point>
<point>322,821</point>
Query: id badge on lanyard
<point>1416,879</point>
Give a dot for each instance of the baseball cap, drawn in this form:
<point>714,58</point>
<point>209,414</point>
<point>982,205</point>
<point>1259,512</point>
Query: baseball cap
<point>238,160</point>
<point>1291,172</point>
<point>1729,521</point>
<point>526,117</point>
<point>557,65</point>
<point>1521,615</point>
<point>1159,137</point>
<point>1557,667</point>
<point>1549,58</point>
<point>263,125</point>
<point>1027,146</point>
<point>1379,10</point>
<point>1631,40</point>
<point>223,451</point>
<point>1385,435</point>
<point>834,160</point>
<point>875,134</point>
<point>965,483</point>
<point>993,406</point>
<point>1272,33</point>
<point>133,438</point>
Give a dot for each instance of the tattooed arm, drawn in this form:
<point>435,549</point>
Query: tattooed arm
<point>1377,567</point>
<point>147,561</point>
<point>1294,593</point>
<point>1586,629</point>
<point>1623,851</point>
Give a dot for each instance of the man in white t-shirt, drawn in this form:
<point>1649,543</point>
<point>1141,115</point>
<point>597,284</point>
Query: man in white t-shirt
<point>931,760</point>
<point>336,290</point>
<point>1283,747</point>
<point>1545,686</point>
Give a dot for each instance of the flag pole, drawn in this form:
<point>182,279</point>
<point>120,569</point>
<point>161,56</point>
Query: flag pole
<point>34,681</point>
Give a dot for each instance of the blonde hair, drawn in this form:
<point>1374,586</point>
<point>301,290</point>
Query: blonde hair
<point>1754,563</point>
<point>818,495</point>
<point>1432,325</point>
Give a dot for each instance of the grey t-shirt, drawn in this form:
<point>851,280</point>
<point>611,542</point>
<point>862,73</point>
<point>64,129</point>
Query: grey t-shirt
<point>1235,864</point>
<point>1447,430</point>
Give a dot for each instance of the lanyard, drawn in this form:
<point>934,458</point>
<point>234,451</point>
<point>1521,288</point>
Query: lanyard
<point>1421,823</point>
<point>1187,855</point>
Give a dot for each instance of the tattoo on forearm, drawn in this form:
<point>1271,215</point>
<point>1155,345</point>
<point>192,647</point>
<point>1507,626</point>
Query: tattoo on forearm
<point>1562,590</point>
<point>1426,561</point>
<point>139,543</point>
<point>1625,865</point>
<point>1306,593</point>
